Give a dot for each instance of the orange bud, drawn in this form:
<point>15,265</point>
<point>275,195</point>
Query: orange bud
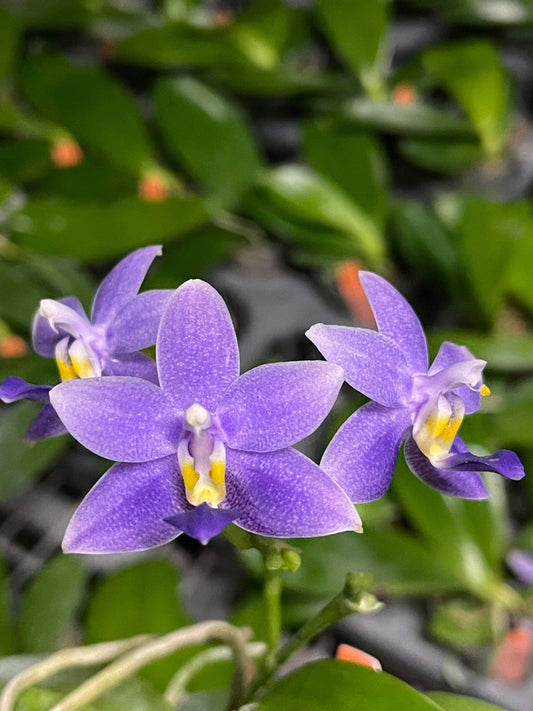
<point>153,188</point>
<point>352,293</point>
<point>13,346</point>
<point>66,153</point>
<point>347,653</point>
<point>404,94</point>
<point>514,656</point>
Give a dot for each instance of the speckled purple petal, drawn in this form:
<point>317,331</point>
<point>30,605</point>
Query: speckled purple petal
<point>465,484</point>
<point>123,419</point>
<point>46,425</point>
<point>197,352</point>
<point>450,353</point>
<point>44,338</point>
<point>285,494</point>
<point>373,363</point>
<point>135,326</point>
<point>362,454</point>
<point>14,388</point>
<point>136,365</point>
<point>502,462</point>
<point>122,284</point>
<point>202,522</point>
<point>127,508</point>
<point>521,563</point>
<point>396,319</point>
<point>276,405</point>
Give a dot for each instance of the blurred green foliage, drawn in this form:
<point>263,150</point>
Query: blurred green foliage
<point>316,128</point>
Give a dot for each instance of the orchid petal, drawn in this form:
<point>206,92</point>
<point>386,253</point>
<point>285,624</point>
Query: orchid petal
<point>449,354</point>
<point>136,365</point>
<point>44,337</point>
<point>45,426</point>
<point>127,508</point>
<point>373,363</point>
<point>362,454</point>
<point>123,419</point>
<point>284,493</point>
<point>14,388</point>
<point>197,352</point>
<point>135,326</point>
<point>502,462</point>
<point>396,319</point>
<point>276,405</point>
<point>521,563</point>
<point>465,484</point>
<point>122,284</point>
<point>203,522</point>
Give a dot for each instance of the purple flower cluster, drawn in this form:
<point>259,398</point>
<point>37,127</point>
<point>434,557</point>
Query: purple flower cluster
<point>198,445</point>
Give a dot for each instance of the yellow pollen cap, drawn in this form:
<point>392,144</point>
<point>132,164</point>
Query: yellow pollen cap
<point>485,390</point>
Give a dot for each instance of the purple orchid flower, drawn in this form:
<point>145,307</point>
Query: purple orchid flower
<point>208,446</point>
<point>424,407</point>
<point>122,323</point>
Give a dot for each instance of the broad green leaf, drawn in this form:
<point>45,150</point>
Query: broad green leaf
<point>487,234</point>
<point>444,521</point>
<point>208,135</point>
<point>98,232</point>
<point>20,293</point>
<point>20,463</point>
<point>142,598</point>
<point>87,183</point>
<point>454,702</point>
<point>306,196</point>
<point>56,14</point>
<point>357,31</point>
<point>518,281</point>
<point>473,72</point>
<point>25,161</point>
<point>514,421</point>
<point>423,242</point>
<point>6,625</point>
<point>443,156</point>
<point>463,623</point>
<point>489,12</point>
<point>361,173</point>
<point>92,105</point>
<point>50,604</point>
<point>416,119</point>
<point>342,686</point>
<point>9,37</point>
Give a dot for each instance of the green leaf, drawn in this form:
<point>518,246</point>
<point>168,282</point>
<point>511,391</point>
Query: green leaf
<point>86,183</point>
<point>139,599</point>
<point>443,156</point>
<point>342,686</point>
<point>98,232</point>
<point>514,421</point>
<point>50,604</point>
<point>416,119</point>
<point>6,625</point>
<point>357,31</point>
<point>463,623</point>
<point>443,520</point>
<point>518,279</point>
<point>208,135</point>
<point>473,72</point>
<point>20,463</point>
<point>95,108</point>
<point>304,195</point>
<point>9,38</point>
<point>20,293</point>
<point>453,702</point>
<point>424,243</point>
<point>25,161</point>
<point>487,234</point>
<point>362,172</point>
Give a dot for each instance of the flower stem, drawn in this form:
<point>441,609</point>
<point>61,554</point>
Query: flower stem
<point>272,594</point>
<point>355,597</point>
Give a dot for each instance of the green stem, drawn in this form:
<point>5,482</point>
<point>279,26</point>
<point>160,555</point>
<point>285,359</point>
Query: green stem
<point>272,593</point>
<point>354,598</point>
